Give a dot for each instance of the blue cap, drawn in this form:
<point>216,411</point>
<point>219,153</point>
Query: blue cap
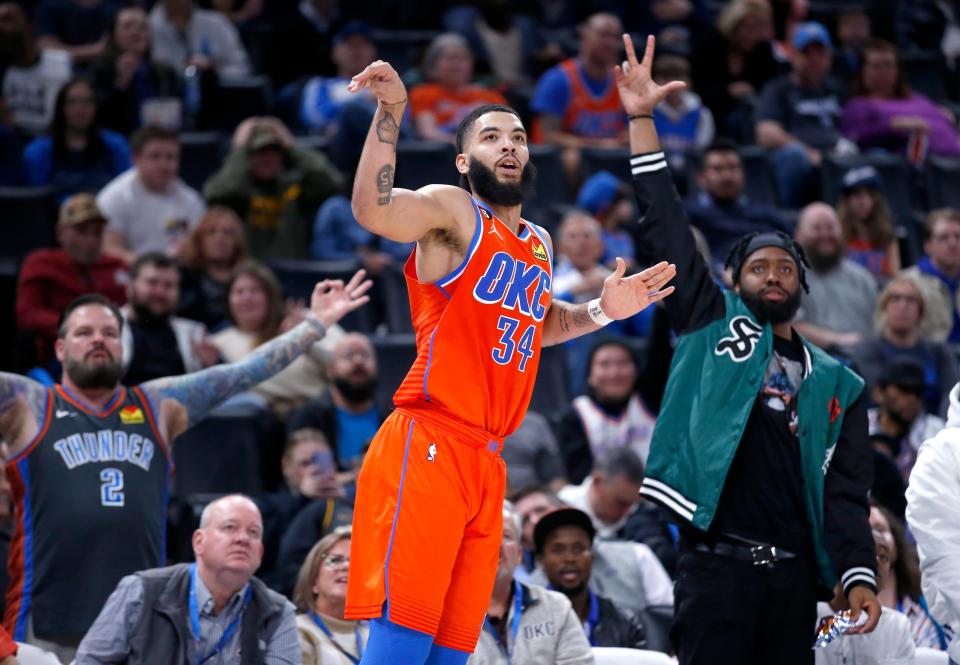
<point>351,28</point>
<point>861,176</point>
<point>811,32</point>
<point>598,192</point>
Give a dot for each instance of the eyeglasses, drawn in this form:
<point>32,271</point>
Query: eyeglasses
<point>336,561</point>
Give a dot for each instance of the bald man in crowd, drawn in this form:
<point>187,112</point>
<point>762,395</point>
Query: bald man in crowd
<point>231,616</point>
<point>837,314</point>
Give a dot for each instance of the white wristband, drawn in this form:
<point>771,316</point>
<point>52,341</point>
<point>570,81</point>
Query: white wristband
<point>597,314</point>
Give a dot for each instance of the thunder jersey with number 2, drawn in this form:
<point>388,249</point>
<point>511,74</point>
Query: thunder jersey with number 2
<point>479,328</point>
<point>90,493</point>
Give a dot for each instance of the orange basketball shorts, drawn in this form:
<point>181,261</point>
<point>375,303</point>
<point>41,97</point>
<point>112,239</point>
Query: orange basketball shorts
<point>427,526</point>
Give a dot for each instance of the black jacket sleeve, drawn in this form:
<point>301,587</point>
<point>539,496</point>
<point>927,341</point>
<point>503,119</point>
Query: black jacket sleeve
<point>663,234</point>
<point>846,509</point>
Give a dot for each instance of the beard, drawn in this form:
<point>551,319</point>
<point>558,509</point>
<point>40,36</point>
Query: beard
<point>771,312</point>
<point>147,318</point>
<point>823,262</point>
<point>92,376</point>
<point>484,184</point>
<point>570,591</point>
<point>354,391</point>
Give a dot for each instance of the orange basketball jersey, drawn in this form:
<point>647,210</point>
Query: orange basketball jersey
<point>479,328</point>
<point>594,116</point>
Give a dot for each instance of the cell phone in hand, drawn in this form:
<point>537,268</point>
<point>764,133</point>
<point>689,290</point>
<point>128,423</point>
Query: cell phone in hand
<point>323,460</point>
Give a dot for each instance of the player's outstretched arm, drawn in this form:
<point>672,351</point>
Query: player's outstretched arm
<point>622,297</point>
<point>21,409</point>
<point>398,214</point>
<point>184,400</point>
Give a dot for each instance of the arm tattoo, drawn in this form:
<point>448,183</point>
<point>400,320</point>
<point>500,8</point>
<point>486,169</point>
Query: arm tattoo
<point>385,184</point>
<point>564,326</point>
<point>581,317</point>
<point>202,391</point>
<point>13,387</point>
<point>387,128</point>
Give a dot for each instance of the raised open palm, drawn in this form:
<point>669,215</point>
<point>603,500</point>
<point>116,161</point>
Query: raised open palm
<point>639,94</point>
<point>623,297</point>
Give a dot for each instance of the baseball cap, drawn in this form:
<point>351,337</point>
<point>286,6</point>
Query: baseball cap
<point>811,32</point>
<point>558,518</point>
<point>861,176</point>
<point>351,28</point>
<point>263,135</point>
<point>904,372</point>
<point>598,192</point>
<point>78,209</point>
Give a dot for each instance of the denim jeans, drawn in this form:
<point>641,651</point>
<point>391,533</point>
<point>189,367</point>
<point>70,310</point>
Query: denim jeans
<point>794,173</point>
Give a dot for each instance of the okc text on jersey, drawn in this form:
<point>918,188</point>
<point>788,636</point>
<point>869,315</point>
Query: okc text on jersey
<point>514,284</point>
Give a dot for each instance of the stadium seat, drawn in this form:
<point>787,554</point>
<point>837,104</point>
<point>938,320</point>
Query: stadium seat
<point>551,393</point>
<point>298,277</point>
<point>201,154</point>
<point>241,98</point>
<point>221,455</point>
<point>926,72</point>
<point>615,160</point>
<point>28,220</point>
<point>893,169</point>
<point>551,184</point>
<point>403,49</point>
<point>943,182</point>
<point>395,355</point>
<point>421,163</point>
<point>657,620</point>
<point>396,301</point>
<point>618,656</point>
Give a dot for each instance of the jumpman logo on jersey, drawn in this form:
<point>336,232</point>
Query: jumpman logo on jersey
<point>493,230</point>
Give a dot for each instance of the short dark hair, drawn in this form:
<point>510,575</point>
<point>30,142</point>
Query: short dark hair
<point>940,214</point>
<point>155,259</point>
<point>604,342</point>
<point>620,462</point>
<point>535,488</point>
<point>88,299</point>
<point>466,125</point>
<point>144,135</point>
<point>721,144</point>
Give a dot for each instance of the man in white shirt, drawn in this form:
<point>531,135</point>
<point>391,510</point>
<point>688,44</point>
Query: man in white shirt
<point>610,493</point>
<point>33,76</point>
<point>150,209</point>
<point>182,34</point>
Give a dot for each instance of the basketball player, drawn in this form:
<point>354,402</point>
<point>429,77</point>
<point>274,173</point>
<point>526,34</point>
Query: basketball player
<point>89,460</point>
<point>427,523</point>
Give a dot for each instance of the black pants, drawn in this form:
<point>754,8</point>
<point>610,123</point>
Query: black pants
<point>730,611</point>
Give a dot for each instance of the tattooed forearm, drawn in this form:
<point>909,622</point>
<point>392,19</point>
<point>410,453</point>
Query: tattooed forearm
<point>13,386</point>
<point>581,317</point>
<point>202,391</point>
<point>384,184</point>
<point>564,326</point>
<point>387,128</point>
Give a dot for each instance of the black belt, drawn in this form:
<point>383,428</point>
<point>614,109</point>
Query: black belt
<point>758,555</point>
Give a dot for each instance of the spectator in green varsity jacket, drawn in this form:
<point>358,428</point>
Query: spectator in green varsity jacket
<point>760,449</point>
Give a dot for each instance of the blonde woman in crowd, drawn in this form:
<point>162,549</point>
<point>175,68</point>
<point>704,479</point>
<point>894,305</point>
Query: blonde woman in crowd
<point>320,595</point>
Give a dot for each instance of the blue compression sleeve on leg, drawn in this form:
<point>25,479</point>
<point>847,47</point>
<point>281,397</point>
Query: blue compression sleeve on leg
<point>391,644</point>
<point>446,656</point>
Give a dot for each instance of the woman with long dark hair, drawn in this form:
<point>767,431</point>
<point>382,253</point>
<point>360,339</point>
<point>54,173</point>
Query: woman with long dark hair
<point>127,78</point>
<point>77,155</point>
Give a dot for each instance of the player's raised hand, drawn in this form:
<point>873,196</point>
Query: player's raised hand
<point>382,80</point>
<point>623,297</point>
<point>639,94</point>
<point>332,300</point>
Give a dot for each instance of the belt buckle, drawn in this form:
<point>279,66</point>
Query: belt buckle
<point>764,555</point>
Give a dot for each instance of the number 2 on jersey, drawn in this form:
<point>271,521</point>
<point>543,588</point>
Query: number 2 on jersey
<point>111,491</point>
<point>504,351</point>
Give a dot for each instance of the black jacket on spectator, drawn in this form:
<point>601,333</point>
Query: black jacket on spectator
<point>647,525</point>
<point>119,108</point>
<point>278,510</point>
<point>311,524</point>
<point>203,299</point>
<point>618,628</point>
